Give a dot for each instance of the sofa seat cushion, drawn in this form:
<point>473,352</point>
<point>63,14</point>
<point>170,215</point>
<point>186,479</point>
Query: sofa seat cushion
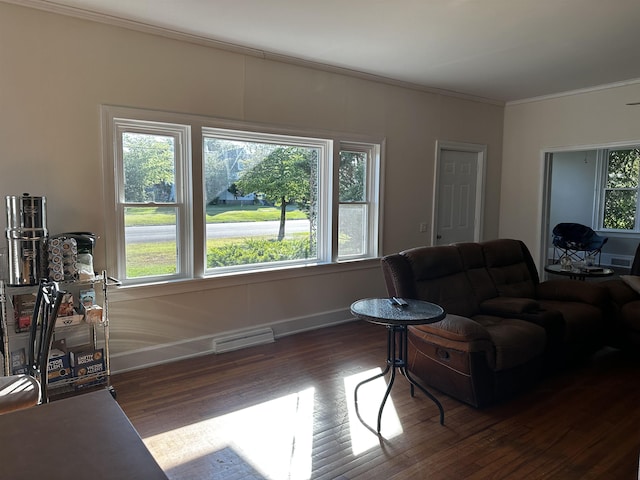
<point>516,342</point>
<point>630,315</point>
<point>582,322</point>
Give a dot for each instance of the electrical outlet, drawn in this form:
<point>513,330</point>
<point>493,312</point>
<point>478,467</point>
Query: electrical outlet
<point>423,227</point>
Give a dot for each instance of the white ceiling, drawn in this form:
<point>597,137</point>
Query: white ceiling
<point>502,50</point>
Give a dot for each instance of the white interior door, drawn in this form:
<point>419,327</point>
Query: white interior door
<point>458,193</point>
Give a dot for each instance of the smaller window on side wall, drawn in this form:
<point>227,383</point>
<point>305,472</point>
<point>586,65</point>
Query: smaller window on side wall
<point>358,200</point>
<point>620,202</point>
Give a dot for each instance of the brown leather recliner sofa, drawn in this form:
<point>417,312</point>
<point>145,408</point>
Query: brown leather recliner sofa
<point>503,326</point>
<point>625,307</point>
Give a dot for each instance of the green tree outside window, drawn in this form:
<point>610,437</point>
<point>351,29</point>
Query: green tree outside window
<point>621,190</point>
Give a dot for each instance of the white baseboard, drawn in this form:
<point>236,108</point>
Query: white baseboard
<point>223,342</point>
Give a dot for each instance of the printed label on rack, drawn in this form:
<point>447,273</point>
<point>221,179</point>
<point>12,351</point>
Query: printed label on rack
<point>84,358</point>
<point>88,364</point>
<point>59,368</point>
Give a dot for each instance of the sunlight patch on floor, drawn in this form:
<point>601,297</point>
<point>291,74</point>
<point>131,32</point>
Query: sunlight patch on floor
<point>272,440</point>
<point>275,438</point>
<point>369,398</point>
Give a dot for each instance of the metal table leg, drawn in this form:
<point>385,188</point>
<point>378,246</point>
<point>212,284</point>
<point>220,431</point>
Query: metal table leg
<point>396,359</point>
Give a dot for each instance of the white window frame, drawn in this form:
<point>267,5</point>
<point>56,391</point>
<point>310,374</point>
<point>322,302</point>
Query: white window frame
<point>115,197</point>
<point>603,165</point>
<point>372,197</point>
<point>189,130</point>
<point>325,185</point>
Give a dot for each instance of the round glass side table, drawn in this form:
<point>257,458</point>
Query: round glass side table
<point>396,318</point>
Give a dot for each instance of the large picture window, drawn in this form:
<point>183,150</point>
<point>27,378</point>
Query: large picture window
<point>263,197</point>
<point>268,200</point>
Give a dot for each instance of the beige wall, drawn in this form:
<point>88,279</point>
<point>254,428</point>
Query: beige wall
<point>56,71</point>
<point>595,118</point>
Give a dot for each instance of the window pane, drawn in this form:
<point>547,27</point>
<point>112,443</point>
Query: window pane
<point>149,167</point>
<point>623,168</point>
<point>352,230</point>
<point>261,202</point>
<point>620,209</point>
<point>353,174</point>
<point>150,241</point>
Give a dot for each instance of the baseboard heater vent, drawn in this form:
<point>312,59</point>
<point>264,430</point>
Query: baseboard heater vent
<point>620,262</point>
<point>243,340</point>
<point>616,260</point>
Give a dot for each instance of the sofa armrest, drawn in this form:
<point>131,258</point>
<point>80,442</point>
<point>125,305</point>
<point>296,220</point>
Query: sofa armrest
<point>507,306</point>
<point>456,356</point>
<point>455,328</point>
<point>620,292</point>
<point>573,291</point>
<point>398,276</point>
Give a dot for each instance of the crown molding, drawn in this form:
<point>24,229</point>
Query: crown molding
<point>569,93</point>
<point>53,7</point>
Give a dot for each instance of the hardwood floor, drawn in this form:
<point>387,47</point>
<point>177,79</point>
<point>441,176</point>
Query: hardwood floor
<point>285,411</point>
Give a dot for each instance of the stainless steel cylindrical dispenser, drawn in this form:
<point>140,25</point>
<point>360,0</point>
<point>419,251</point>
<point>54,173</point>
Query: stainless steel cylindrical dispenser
<point>26,236</point>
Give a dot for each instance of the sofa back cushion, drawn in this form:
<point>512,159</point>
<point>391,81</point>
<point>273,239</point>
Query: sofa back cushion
<point>440,277</point>
<point>510,267</point>
<point>474,264</point>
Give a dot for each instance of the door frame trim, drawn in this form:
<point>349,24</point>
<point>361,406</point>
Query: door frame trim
<point>481,155</point>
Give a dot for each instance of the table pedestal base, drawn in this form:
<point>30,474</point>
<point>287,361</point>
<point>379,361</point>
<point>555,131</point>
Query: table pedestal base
<point>396,360</point>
